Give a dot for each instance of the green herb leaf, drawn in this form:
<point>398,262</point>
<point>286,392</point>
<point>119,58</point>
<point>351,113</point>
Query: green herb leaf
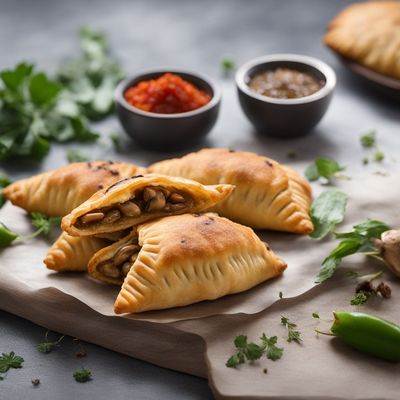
<point>46,346</point>
<point>293,334</point>
<point>74,155</point>
<point>13,79</point>
<point>227,65</point>
<point>379,156</point>
<point>360,298</point>
<point>368,140</point>
<point>6,236</point>
<point>42,90</point>
<point>272,351</point>
<point>359,240</point>
<point>315,315</point>
<point>43,223</point>
<point>82,375</point>
<point>114,137</point>
<point>4,182</point>
<point>8,361</point>
<point>327,211</point>
<point>323,167</point>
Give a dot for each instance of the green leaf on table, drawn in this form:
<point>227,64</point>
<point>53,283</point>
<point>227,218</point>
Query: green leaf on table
<point>8,361</point>
<point>359,240</point>
<point>82,375</point>
<point>42,90</point>
<point>368,140</point>
<point>6,236</point>
<point>272,351</point>
<point>294,335</point>
<point>360,298</point>
<point>379,156</point>
<point>228,65</point>
<point>323,167</point>
<point>327,211</point>
<point>4,182</point>
<point>43,223</point>
<point>13,79</point>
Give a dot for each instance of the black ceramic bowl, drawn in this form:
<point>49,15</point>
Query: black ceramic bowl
<point>168,131</point>
<point>285,118</point>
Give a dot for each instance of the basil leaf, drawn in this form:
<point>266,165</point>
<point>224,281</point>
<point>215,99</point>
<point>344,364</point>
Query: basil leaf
<point>327,211</point>
<point>323,167</point>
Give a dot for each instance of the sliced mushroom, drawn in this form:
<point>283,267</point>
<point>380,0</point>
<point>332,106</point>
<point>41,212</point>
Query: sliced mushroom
<point>110,270</point>
<point>130,209</point>
<point>92,217</point>
<point>148,194</point>
<point>112,216</point>
<point>176,198</point>
<point>157,203</point>
<point>124,253</point>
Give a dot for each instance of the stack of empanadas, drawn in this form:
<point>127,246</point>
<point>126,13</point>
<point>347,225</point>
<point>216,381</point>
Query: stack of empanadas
<point>148,230</point>
<point>368,33</point>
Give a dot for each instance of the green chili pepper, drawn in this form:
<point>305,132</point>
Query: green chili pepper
<point>369,334</point>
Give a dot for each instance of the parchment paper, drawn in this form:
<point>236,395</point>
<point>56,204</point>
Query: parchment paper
<point>320,368</point>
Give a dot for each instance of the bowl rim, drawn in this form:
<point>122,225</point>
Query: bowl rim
<point>125,83</point>
<point>321,66</point>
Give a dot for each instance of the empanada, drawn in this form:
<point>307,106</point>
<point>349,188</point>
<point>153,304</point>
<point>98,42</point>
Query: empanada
<point>71,253</point>
<point>57,192</point>
<point>267,194</point>
<point>368,33</point>
<point>132,201</point>
<point>184,259</point>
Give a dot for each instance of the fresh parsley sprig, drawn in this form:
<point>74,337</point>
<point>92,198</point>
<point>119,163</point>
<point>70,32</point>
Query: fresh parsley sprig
<point>293,334</point>
<point>325,168</point>
<point>359,240</point>
<point>246,351</point>
<point>41,222</point>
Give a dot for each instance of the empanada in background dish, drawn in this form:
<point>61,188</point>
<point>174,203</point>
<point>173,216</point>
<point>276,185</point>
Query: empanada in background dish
<point>267,195</point>
<point>72,254</point>
<point>58,192</point>
<point>135,200</point>
<point>369,34</point>
<point>180,260</point>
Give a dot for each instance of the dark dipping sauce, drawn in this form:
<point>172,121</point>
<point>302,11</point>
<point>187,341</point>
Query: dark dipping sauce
<point>285,83</point>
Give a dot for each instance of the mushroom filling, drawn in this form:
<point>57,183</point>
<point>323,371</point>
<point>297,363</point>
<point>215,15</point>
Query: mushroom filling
<point>147,200</point>
<point>119,266</point>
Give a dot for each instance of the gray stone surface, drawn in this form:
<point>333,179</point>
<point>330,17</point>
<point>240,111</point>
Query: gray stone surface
<point>193,34</point>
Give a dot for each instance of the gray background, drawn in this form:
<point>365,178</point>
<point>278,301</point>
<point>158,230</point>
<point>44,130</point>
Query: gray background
<point>193,34</point>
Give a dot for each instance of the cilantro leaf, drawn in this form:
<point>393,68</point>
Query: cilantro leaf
<point>272,351</point>
<point>82,375</point>
<point>327,211</point>
<point>293,334</point>
<point>315,315</point>
<point>46,346</point>
<point>379,156</point>
<point>8,361</point>
<point>228,65</point>
<point>43,223</point>
<point>42,90</point>
<point>323,167</point>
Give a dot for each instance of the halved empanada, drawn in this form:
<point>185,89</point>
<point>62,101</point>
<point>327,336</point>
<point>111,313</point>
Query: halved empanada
<point>267,195</point>
<point>184,259</point>
<point>71,253</point>
<point>57,192</point>
<point>138,199</point>
<point>368,33</point>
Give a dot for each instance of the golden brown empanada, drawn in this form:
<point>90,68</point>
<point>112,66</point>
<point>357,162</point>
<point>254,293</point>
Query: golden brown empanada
<point>57,192</point>
<point>368,33</point>
<point>71,253</point>
<point>184,259</point>
<point>135,200</point>
<point>267,194</point>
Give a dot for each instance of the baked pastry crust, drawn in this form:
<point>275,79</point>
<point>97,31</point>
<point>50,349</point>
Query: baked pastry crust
<point>368,33</point>
<point>71,253</point>
<point>57,192</point>
<point>189,258</point>
<point>196,197</point>
<point>267,194</point>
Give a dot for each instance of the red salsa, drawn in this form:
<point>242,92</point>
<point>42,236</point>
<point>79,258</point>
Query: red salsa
<point>168,94</point>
